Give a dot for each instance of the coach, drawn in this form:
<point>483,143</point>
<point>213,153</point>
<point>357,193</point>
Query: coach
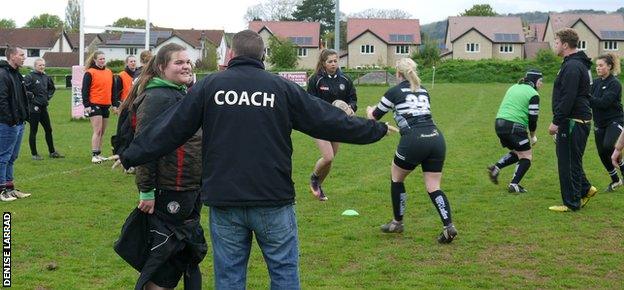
<point>247,115</point>
<point>571,121</point>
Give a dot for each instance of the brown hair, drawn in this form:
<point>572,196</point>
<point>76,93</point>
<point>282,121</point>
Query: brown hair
<point>91,59</point>
<point>569,36</point>
<point>612,60</point>
<point>407,68</point>
<point>11,50</point>
<point>150,70</point>
<point>325,54</point>
<point>248,43</point>
<point>145,56</point>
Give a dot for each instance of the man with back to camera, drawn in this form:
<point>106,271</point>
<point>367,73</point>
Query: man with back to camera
<point>13,114</point>
<point>247,115</point>
<point>571,121</point>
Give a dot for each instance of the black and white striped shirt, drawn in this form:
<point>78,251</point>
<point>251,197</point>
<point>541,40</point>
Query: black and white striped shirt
<point>411,108</point>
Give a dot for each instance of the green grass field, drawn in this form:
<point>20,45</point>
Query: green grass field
<point>505,240</point>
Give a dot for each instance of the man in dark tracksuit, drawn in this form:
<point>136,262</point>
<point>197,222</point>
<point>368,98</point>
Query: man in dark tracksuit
<point>247,116</point>
<point>571,121</point>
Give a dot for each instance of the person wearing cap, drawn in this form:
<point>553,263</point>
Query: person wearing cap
<point>571,121</point>
<point>517,112</point>
<point>606,103</point>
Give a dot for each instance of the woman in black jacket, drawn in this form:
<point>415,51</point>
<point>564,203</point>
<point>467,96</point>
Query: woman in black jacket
<point>606,103</point>
<point>329,84</point>
<point>168,187</point>
<point>42,88</point>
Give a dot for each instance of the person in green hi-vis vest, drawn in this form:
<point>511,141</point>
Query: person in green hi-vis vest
<point>518,111</point>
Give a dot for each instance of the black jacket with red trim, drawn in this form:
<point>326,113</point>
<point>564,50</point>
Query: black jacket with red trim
<point>333,87</point>
<point>180,169</point>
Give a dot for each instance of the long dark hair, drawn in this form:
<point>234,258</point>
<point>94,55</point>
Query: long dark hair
<point>612,60</point>
<point>150,70</point>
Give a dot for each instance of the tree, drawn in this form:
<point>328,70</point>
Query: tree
<point>72,16</point>
<point>621,10</point>
<point>129,23</point>
<point>429,54</point>
<point>382,13</point>
<point>7,23</point>
<point>44,21</point>
<point>272,10</point>
<point>283,53</point>
<point>317,10</point>
<point>209,58</point>
<point>479,10</point>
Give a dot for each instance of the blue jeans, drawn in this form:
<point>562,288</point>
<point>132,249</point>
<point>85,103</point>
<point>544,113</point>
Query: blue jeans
<point>10,141</point>
<point>231,232</point>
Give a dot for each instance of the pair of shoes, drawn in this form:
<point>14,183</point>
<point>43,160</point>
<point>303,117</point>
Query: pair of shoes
<point>493,173</point>
<point>5,196</point>
<point>55,154</point>
<point>316,189</point>
<point>392,227</point>
<point>37,157</point>
<point>559,208</point>
<point>448,234</point>
<point>613,185</point>
<point>516,188</point>
<point>97,159</point>
<point>590,193</point>
<point>17,194</point>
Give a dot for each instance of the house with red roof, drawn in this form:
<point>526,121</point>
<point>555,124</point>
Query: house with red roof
<point>36,42</point>
<point>305,35</point>
<point>598,33</point>
<point>484,37</point>
<point>381,42</point>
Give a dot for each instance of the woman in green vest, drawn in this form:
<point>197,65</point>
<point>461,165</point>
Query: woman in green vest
<point>517,113</point>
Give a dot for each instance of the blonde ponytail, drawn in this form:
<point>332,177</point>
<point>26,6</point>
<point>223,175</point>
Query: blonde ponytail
<point>407,68</point>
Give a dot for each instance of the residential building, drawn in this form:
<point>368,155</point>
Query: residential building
<point>481,37</point>
<point>36,42</point>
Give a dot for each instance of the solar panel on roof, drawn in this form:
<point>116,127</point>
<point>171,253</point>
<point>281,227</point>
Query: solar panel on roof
<point>301,40</point>
<point>612,34</point>
<point>401,38</point>
<point>506,37</point>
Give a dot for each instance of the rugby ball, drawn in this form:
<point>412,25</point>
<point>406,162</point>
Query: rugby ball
<point>343,106</point>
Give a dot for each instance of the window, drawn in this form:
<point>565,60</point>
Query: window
<point>302,52</point>
<point>611,45</point>
<point>402,49</point>
<point>131,50</point>
<point>33,52</point>
<point>367,49</point>
<point>582,45</point>
<point>3,51</point>
<point>472,47</point>
<point>506,48</point>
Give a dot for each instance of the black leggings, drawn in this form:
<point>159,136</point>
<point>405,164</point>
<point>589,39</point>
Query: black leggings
<point>44,118</point>
<point>605,139</point>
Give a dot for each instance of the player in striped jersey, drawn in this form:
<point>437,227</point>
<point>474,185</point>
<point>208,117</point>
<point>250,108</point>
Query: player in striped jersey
<point>518,110</point>
<point>421,144</point>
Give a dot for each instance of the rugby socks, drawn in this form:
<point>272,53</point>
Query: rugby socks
<point>397,190</point>
<point>614,176</point>
<point>442,205</point>
<point>508,159</point>
<point>521,169</point>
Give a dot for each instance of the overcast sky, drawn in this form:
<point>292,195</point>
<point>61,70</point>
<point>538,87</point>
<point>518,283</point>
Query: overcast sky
<point>228,14</point>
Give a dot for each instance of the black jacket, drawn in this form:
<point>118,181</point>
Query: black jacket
<point>247,115</point>
<point>606,101</point>
<point>180,169</point>
<point>13,99</point>
<point>571,90</point>
<point>333,87</point>
<point>42,87</point>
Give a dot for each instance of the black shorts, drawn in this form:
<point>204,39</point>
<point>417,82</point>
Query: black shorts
<point>421,146</point>
<point>99,110</point>
<point>512,135</point>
